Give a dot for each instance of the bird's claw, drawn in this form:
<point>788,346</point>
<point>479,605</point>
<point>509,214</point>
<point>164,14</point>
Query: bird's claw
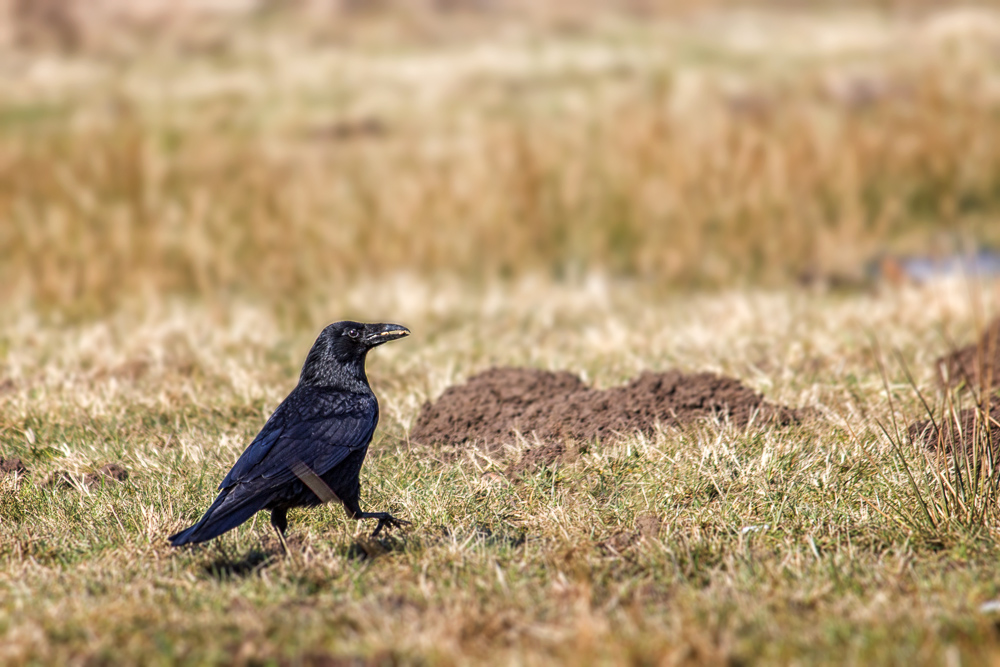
<point>390,521</point>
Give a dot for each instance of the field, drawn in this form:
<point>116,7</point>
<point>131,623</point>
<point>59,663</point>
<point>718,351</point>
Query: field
<point>703,189</point>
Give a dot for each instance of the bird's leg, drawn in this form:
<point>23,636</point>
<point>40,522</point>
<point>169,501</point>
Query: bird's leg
<point>279,520</point>
<point>384,519</point>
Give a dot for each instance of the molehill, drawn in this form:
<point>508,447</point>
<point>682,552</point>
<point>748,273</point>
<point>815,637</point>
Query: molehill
<point>558,412</point>
<point>969,432</point>
<point>976,365</point>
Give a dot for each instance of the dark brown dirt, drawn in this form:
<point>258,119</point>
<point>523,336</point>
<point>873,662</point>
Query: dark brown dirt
<point>12,466</point>
<point>971,429</point>
<point>380,659</point>
<point>976,365</point>
<point>490,406</point>
<point>60,479</point>
<point>543,455</point>
<point>109,472</point>
<point>561,412</point>
<point>113,472</point>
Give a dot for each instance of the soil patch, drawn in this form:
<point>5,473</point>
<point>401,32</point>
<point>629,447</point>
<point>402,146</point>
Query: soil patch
<point>107,473</point>
<point>489,406</point>
<point>113,472</point>
<point>960,437</point>
<point>976,365</point>
<point>559,411</point>
<point>12,466</point>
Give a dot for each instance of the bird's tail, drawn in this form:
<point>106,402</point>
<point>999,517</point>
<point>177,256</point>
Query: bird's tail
<point>228,511</point>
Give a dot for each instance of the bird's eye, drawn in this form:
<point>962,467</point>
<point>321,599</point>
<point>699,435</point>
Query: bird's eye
<point>353,333</point>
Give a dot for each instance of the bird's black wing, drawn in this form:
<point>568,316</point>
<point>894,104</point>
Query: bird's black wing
<point>314,427</point>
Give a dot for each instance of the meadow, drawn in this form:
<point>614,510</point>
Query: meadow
<point>603,193</point>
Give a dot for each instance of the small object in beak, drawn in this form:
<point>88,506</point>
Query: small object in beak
<point>388,332</point>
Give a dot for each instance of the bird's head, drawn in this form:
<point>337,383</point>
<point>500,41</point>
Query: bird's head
<point>338,355</point>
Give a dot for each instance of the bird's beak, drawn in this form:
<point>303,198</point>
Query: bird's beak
<point>383,333</point>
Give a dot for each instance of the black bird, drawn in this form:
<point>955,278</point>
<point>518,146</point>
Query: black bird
<point>312,447</point>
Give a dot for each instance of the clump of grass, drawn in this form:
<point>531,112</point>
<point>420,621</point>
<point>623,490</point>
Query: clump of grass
<point>950,464</point>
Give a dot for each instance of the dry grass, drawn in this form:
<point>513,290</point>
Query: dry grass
<point>176,224</point>
<point>775,544</point>
<point>669,153</point>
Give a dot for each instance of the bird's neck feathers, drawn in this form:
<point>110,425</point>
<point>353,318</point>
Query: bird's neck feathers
<point>347,374</point>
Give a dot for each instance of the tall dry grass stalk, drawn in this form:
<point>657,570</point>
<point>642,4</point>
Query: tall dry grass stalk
<point>93,216</point>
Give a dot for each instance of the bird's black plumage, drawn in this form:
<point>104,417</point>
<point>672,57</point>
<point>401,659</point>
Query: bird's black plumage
<point>312,447</point>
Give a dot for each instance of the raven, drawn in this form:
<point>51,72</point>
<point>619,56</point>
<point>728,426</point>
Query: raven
<point>312,447</point>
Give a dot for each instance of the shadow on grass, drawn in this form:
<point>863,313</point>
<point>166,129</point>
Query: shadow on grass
<point>500,538</point>
<point>364,548</point>
<point>368,547</point>
<point>225,568</point>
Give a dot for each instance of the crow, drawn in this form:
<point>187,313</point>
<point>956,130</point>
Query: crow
<point>312,447</point>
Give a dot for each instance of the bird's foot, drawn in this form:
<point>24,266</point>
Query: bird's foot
<point>384,519</point>
<point>281,541</point>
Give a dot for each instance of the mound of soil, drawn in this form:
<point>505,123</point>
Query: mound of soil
<point>490,406</point>
<point>112,472</point>
<point>12,467</point>
<point>976,365</point>
<point>109,472</point>
<point>971,428</point>
<point>558,409</point>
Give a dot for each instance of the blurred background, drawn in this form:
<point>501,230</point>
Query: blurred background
<point>283,151</point>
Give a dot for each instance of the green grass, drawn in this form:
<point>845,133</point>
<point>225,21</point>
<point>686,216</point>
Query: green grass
<point>776,544</point>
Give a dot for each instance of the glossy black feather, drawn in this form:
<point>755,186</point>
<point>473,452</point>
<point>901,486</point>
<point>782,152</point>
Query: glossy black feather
<point>316,426</point>
<point>322,427</point>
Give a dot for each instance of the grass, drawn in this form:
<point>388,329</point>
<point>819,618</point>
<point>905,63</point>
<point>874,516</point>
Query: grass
<point>179,218</point>
<point>669,152</point>
<point>776,544</point>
